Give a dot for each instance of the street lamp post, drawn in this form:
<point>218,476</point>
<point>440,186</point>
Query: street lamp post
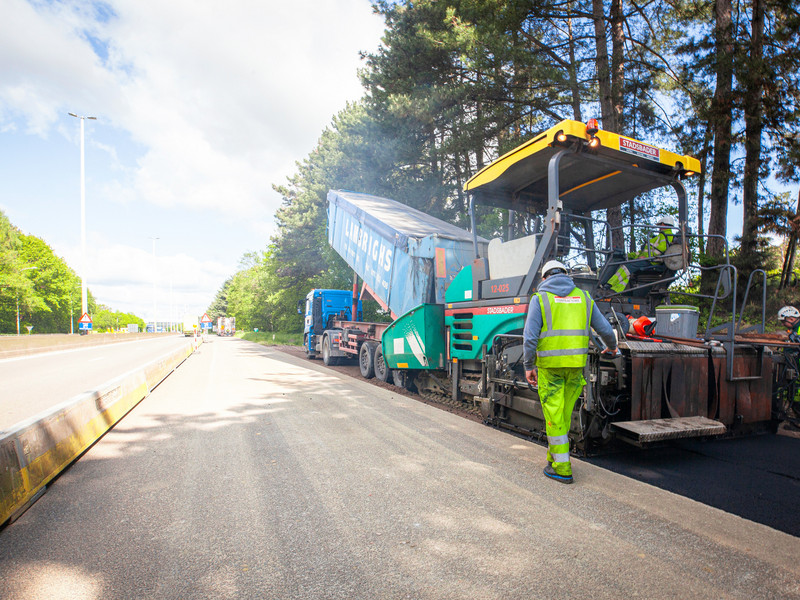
<point>155,327</point>
<point>84,301</point>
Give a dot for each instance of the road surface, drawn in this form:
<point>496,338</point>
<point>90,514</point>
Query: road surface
<point>37,382</point>
<point>249,473</point>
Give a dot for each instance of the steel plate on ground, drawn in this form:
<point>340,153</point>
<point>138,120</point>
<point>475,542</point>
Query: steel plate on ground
<point>656,430</point>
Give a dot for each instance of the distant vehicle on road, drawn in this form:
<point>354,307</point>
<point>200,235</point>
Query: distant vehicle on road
<point>226,326</point>
<point>191,325</point>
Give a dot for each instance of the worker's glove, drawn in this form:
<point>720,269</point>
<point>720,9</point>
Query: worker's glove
<point>613,353</point>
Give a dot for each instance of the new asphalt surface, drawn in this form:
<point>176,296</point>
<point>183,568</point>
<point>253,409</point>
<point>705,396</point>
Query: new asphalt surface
<point>755,477</point>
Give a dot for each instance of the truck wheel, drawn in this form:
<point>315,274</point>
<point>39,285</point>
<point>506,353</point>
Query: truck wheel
<point>382,372</point>
<point>327,359</point>
<point>366,360</point>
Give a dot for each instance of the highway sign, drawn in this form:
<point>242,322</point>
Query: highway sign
<point>85,322</point>
<point>205,319</point>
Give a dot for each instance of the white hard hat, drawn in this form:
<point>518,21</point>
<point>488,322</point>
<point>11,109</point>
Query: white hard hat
<point>787,312</point>
<point>550,265</point>
<point>667,220</point>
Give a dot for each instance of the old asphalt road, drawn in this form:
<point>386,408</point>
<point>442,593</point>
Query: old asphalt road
<point>250,473</point>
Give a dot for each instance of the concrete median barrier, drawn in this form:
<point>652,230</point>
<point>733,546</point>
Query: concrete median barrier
<point>35,451</point>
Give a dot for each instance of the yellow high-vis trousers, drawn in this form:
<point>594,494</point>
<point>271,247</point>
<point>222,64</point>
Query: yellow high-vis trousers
<point>559,389</point>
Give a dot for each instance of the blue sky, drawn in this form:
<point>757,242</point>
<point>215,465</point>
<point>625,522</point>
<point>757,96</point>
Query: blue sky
<point>201,107</point>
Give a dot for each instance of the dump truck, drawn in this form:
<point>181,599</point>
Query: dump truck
<point>405,259</point>
<point>459,302</point>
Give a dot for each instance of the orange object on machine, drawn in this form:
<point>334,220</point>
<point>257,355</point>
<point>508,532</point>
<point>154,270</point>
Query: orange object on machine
<point>642,326</point>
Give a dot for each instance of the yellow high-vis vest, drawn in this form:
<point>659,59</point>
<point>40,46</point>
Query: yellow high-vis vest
<point>564,339</point>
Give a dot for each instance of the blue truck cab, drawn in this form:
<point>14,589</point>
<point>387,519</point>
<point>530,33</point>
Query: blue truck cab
<point>322,307</point>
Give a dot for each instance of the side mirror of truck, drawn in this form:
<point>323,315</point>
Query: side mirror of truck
<point>300,307</point>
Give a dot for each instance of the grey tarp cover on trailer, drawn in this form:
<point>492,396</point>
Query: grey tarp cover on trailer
<point>405,256</point>
<point>395,220</point>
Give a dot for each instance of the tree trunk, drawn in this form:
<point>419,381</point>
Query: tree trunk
<point>721,117</point>
<point>603,74</point>
<point>617,64</point>
<point>701,185</point>
<point>608,103</point>
<point>791,251</point>
<point>573,75</point>
<point>754,84</point>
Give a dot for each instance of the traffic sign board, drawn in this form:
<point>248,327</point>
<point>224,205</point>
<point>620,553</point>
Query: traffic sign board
<point>205,318</point>
<point>85,322</point>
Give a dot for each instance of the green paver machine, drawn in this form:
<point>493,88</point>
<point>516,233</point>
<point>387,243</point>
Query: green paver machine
<point>669,383</point>
<point>461,340</point>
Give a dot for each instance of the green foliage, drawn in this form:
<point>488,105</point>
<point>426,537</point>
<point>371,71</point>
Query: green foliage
<point>43,288</point>
<point>14,283</point>
<point>219,307</point>
<point>763,256</point>
<point>260,298</point>
<point>54,285</point>
<point>105,319</point>
<point>457,83</point>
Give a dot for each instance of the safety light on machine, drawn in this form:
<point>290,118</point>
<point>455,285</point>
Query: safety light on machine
<point>591,129</point>
<point>682,173</point>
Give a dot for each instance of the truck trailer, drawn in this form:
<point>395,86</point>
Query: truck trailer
<point>459,302</point>
<point>191,325</point>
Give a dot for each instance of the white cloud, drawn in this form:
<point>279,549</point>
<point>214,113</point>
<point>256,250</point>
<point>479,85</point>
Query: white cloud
<point>45,64</point>
<point>250,87</point>
<point>133,277</point>
<point>202,106</point>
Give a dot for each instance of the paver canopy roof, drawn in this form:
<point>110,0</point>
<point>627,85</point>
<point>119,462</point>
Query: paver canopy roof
<point>589,178</point>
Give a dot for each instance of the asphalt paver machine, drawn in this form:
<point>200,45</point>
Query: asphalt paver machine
<point>672,380</point>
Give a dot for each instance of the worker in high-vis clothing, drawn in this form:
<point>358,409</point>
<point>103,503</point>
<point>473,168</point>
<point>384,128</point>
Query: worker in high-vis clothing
<point>789,317</point>
<point>655,247</point>
<point>555,351</point>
